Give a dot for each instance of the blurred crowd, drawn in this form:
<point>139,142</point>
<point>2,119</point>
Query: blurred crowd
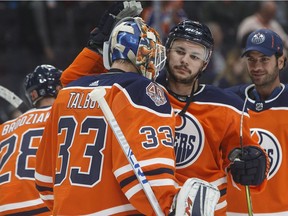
<point>54,32</point>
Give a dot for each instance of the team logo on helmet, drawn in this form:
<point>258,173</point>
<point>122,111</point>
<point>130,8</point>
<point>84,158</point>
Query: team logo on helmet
<point>189,140</point>
<point>272,147</point>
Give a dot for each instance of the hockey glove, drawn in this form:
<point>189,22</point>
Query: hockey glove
<point>197,198</point>
<point>115,12</point>
<point>249,167</point>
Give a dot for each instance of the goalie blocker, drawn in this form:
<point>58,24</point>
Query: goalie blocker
<point>197,198</point>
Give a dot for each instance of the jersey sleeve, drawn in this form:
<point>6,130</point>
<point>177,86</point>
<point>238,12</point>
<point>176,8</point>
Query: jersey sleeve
<point>86,63</point>
<point>43,170</point>
<point>150,136</point>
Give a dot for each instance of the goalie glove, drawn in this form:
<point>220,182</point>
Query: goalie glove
<point>249,167</point>
<point>196,198</point>
<point>115,13</point>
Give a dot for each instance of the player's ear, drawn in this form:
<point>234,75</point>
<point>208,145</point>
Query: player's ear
<point>204,66</point>
<point>281,62</point>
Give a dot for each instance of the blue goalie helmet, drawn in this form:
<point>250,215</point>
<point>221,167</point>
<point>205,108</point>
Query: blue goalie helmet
<point>133,40</point>
<point>44,81</point>
<point>192,31</point>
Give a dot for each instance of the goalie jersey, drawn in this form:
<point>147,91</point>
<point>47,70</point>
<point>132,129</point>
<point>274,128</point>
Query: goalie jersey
<point>81,168</point>
<point>204,136</point>
<point>269,126</point>
<point>19,141</point>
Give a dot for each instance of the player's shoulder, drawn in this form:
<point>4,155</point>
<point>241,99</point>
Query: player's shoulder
<point>143,92</point>
<point>30,112</point>
<point>140,90</point>
<point>82,81</point>
<point>280,99</point>
<point>110,78</point>
<point>33,118</point>
<point>221,96</point>
<point>285,90</point>
<point>240,90</point>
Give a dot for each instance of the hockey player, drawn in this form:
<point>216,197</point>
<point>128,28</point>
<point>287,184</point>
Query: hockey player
<point>203,140</point>
<point>80,167</point>
<point>203,151</point>
<point>267,105</point>
<point>19,141</point>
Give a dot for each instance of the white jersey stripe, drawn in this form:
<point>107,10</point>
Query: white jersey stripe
<point>114,210</point>
<point>18,205</point>
<point>258,214</point>
<point>43,178</point>
<point>154,183</point>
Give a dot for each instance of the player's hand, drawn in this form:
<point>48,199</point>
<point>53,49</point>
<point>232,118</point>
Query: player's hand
<point>111,16</point>
<point>249,167</point>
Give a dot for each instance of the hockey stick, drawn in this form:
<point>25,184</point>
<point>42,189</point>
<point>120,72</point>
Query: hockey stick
<point>10,97</point>
<point>247,188</point>
<point>98,95</point>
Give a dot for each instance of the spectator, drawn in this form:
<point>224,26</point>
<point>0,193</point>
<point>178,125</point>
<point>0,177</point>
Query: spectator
<point>234,72</point>
<point>263,17</point>
<point>217,62</point>
<point>172,12</point>
<point>228,14</point>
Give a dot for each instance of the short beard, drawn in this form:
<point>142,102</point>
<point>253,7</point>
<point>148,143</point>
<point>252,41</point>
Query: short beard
<point>268,80</point>
<point>177,79</point>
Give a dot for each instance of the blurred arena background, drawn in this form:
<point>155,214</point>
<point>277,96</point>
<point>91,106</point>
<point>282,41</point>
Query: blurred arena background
<point>54,32</point>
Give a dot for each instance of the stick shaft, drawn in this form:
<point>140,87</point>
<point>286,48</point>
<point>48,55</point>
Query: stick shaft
<point>129,154</point>
<point>249,201</point>
<point>10,97</point>
<point>247,188</point>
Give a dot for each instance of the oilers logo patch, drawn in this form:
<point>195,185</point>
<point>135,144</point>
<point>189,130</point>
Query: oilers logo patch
<point>189,140</point>
<point>258,38</point>
<point>156,94</point>
<point>272,147</point>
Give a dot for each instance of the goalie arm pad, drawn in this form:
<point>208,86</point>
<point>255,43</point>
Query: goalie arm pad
<point>197,198</point>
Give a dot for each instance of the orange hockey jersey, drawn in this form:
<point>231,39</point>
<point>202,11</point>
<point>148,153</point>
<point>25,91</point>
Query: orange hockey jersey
<point>86,63</point>
<point>19,141</point>
<point>269,125</point>
<point>206,134</point>
<point>81,168</point>
<point>204,137</point>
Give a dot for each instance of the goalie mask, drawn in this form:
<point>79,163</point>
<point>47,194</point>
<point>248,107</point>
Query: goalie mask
<point>131,39</point>
<point>44,81</point>
<point>195,32</point>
